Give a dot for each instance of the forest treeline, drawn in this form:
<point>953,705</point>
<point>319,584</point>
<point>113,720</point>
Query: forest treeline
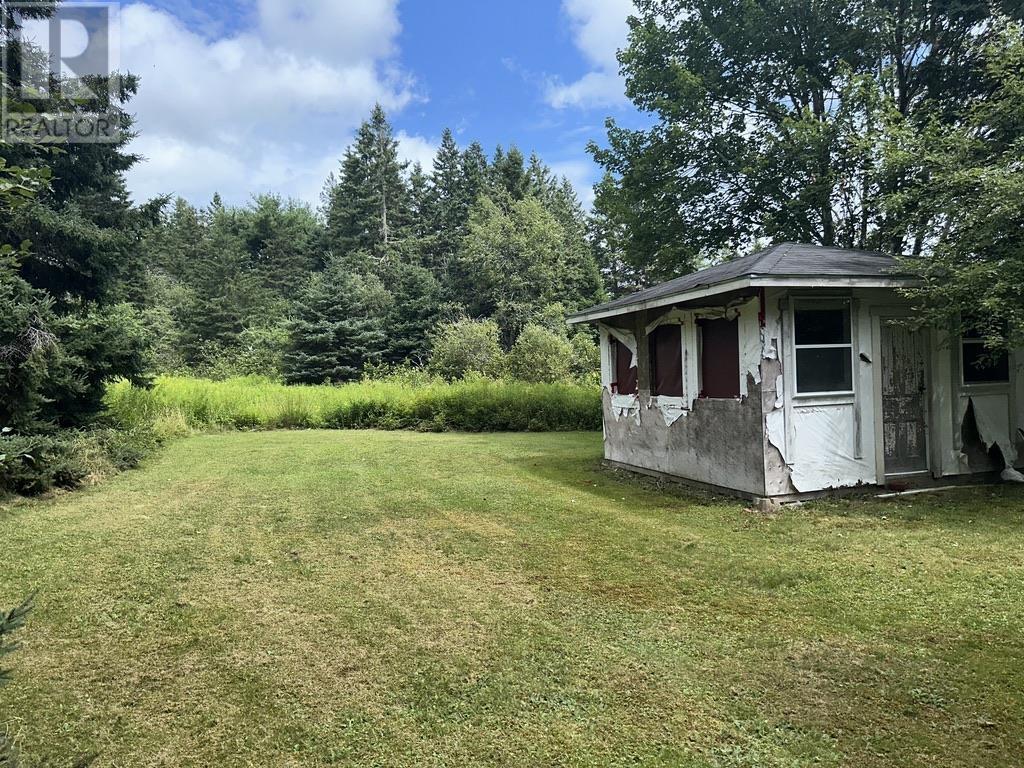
<point>892,127</point>
<point>379,273</point>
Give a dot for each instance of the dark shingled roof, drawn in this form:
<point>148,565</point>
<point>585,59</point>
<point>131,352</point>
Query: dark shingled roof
<point>782,260</point>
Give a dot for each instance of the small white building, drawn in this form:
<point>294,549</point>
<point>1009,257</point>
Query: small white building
<point>795,371</point>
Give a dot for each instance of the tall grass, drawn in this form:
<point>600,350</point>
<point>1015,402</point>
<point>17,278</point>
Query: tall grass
<point>180,405</point>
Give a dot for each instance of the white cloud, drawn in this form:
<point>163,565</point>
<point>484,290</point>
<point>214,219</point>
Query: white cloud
<point>343,31</point>
<point>582,174</point>
<point>266,109</point>
<point>599,31</point>
<point>417,149</point>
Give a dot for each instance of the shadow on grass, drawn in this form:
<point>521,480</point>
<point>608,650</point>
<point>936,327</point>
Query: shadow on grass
<point>998,505</point>
<point>587,475</point>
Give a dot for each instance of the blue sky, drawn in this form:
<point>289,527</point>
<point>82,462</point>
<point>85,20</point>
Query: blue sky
<point>249,96</point>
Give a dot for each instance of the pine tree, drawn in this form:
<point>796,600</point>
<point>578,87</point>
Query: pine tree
<point>421,194</point>
<point>474,175</point>
<point>368,208</point>
<point>414,313</point>
<point>226,292</point>
<point>449,204</point>
<point>508,174</point>
<point>336,327</point>
<point>280,238</point>
<point>540,179</point>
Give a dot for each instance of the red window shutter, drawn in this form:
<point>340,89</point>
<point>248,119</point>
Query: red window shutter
<point>720,359</point>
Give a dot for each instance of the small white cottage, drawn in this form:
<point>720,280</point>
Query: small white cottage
<point>794,371</point>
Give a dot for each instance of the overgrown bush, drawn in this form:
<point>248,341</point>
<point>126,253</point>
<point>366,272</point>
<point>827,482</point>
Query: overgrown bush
<point>34,464</point>
<point>256,352</point>
<point>586,359</point>
<point>466,347</point>
<point>474,405</point>
<point>540,355</point>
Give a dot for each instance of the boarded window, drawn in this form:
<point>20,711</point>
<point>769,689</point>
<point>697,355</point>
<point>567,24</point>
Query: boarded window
<point>625,371</point>
<point>980,365</point>
<point>719,359</point>
<point>666,352</point>
<point>824,349</point>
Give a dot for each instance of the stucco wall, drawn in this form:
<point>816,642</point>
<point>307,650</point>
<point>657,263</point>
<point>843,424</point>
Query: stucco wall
<point>717,442</point>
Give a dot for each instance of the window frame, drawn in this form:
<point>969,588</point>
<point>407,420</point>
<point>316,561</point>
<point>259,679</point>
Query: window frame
<point>844,304</point>
<point>615,347</point>
<point>964,341</point>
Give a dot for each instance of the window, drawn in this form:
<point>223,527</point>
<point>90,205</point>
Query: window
<point>666,353</point>
<point>625,371</point>
<point>719,359</point>
<point>824,348</point>
<point>982,366</point>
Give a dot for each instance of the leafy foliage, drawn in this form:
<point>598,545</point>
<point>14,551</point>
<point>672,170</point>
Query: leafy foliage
<point>540,355</point>
<point>466,347</point>
<point>971,191</point>
<point>69,257</point>
<point>771,123</point>
<point>502,239</point>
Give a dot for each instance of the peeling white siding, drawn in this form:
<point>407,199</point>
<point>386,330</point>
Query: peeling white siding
<point>807,443</point>
<point>992,414</point>
<point>824,453</point>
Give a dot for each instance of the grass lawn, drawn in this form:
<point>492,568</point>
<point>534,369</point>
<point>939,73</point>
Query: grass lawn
<point>371,598</point>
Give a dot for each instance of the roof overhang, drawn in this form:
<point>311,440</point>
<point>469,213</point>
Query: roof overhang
<point>739,284</point>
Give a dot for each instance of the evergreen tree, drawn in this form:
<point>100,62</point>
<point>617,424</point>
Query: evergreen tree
<point>336,327</point>
<point>508,174</point>
<point>281,240</point>
<point>84,260</point>
<point>368,207</point>
<point>540,179</point>
<point>475,173</point>
<point>449,203</point>
<point>226,291</point>
<point>27,341</point>
<point>420,202</point>
<point>414,313</point>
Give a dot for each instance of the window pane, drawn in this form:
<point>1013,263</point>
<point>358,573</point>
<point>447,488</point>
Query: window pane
<point>979,370</point>
<point>824,370</point>
<point>666,352</point>
<point>822,326</point>
<point>720,358</point>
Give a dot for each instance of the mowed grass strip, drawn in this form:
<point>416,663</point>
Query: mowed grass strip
<point>382,598</point>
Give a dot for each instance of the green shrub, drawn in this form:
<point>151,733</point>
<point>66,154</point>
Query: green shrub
<point>34,464</point>
<point>540,355</point>
<point>256,352</point>
<point>466,347</point>
<point>586,359</point>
